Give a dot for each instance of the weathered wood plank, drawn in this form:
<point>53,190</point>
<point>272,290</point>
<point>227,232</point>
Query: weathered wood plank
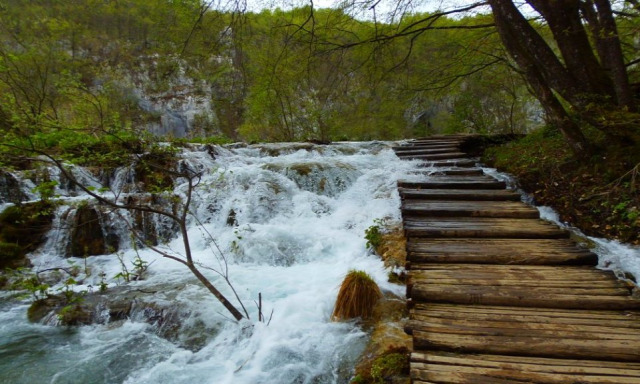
<point>530,316</point>
<point>462,162</point>
<point>509,327</point>
<point>530,363</point>
<point>520,272</point>
<point>442,208</point>
<point>426,146</point>
<point>425,151</point>
<point>435,156</point>
<point>454,182</point>
<point>617,350</point>
<point>481,228</point>
<point>460,194</point>
<point>498,251</point>
<point>576,298</point>
<point>594,315</point>
<point>470,369</point>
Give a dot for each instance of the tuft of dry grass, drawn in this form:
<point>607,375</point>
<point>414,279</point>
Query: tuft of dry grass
<point>357,296</point>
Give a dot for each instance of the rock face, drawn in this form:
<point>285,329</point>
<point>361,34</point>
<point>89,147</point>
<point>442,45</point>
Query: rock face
<point>22,230</point>
<point>10,189</point>
<point>87,238</point>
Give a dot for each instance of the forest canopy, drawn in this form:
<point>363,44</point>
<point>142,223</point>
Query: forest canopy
<point>130,67</point>
<point>94,67</point>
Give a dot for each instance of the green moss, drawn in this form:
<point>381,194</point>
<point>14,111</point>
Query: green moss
<point>38,310</point>
<point>390,364</point>
<point>393,364</point>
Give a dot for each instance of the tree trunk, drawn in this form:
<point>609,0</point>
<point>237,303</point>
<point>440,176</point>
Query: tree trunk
<point>553,72</point>
<point>612,57</point>
<point>528,64</point>
<point>563,18</point>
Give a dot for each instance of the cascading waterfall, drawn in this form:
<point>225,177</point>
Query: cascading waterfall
<point>290,219</point>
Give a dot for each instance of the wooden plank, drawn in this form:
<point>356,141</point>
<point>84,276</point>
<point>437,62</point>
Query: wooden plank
<point>462,162</point>
<point>498,251</point>
<point>571,282</point>
<point>425,151</point>
<point>442,208</point>
<point>481,228</point>
<point>531,363</point>
<point>453,171</point>
<point>460,194</point>
<point>509,327</point>
<point>520,272</point>
<point>617,350</point>
<point>439,369</point>
<point>416,147</point>
<point>454,183</point>
<point>482,314</point>
<point>594,315</point>
<point>436,156</point>
<point>574,298</point>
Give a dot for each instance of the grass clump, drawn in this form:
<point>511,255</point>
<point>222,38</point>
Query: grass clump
<point>357,296</point>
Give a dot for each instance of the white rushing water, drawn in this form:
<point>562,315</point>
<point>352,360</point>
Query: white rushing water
<point>290,218</point>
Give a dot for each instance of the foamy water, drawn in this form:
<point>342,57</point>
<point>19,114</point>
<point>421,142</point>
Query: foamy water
<point>291,222</point>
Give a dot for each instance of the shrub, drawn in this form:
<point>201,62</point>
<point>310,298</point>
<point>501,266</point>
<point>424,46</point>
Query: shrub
<point>357,296</point>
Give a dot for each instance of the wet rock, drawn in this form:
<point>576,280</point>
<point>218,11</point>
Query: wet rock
<point>87,237</point>
<point>119,304</point>
<point>10,191</point>
<point>22,230</point>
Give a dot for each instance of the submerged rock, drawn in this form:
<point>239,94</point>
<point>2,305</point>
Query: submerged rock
<point>171,321</point>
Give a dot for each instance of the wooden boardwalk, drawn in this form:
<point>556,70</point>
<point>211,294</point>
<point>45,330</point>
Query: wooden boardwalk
<point>498,295</point>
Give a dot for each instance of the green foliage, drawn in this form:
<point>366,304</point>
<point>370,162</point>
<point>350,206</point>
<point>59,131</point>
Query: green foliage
<point>373,234</point>
<point>46,190</point>
<point>597,194</point>
<point>24,280</point>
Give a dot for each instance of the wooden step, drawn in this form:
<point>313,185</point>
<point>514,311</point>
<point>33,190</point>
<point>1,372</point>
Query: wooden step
<point>444,367</point>
<point>522,286</point>
<point>442,208</point>
<point>498,228</point>
<point>462,162</point>
<point>498,251</point>
<point>454,171</point>
<point>425,151</point>
<point>460,194</point>
<point>423,146</point>
<point>436,156</point>
<point>539,332</point>
<point>454,182</point>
